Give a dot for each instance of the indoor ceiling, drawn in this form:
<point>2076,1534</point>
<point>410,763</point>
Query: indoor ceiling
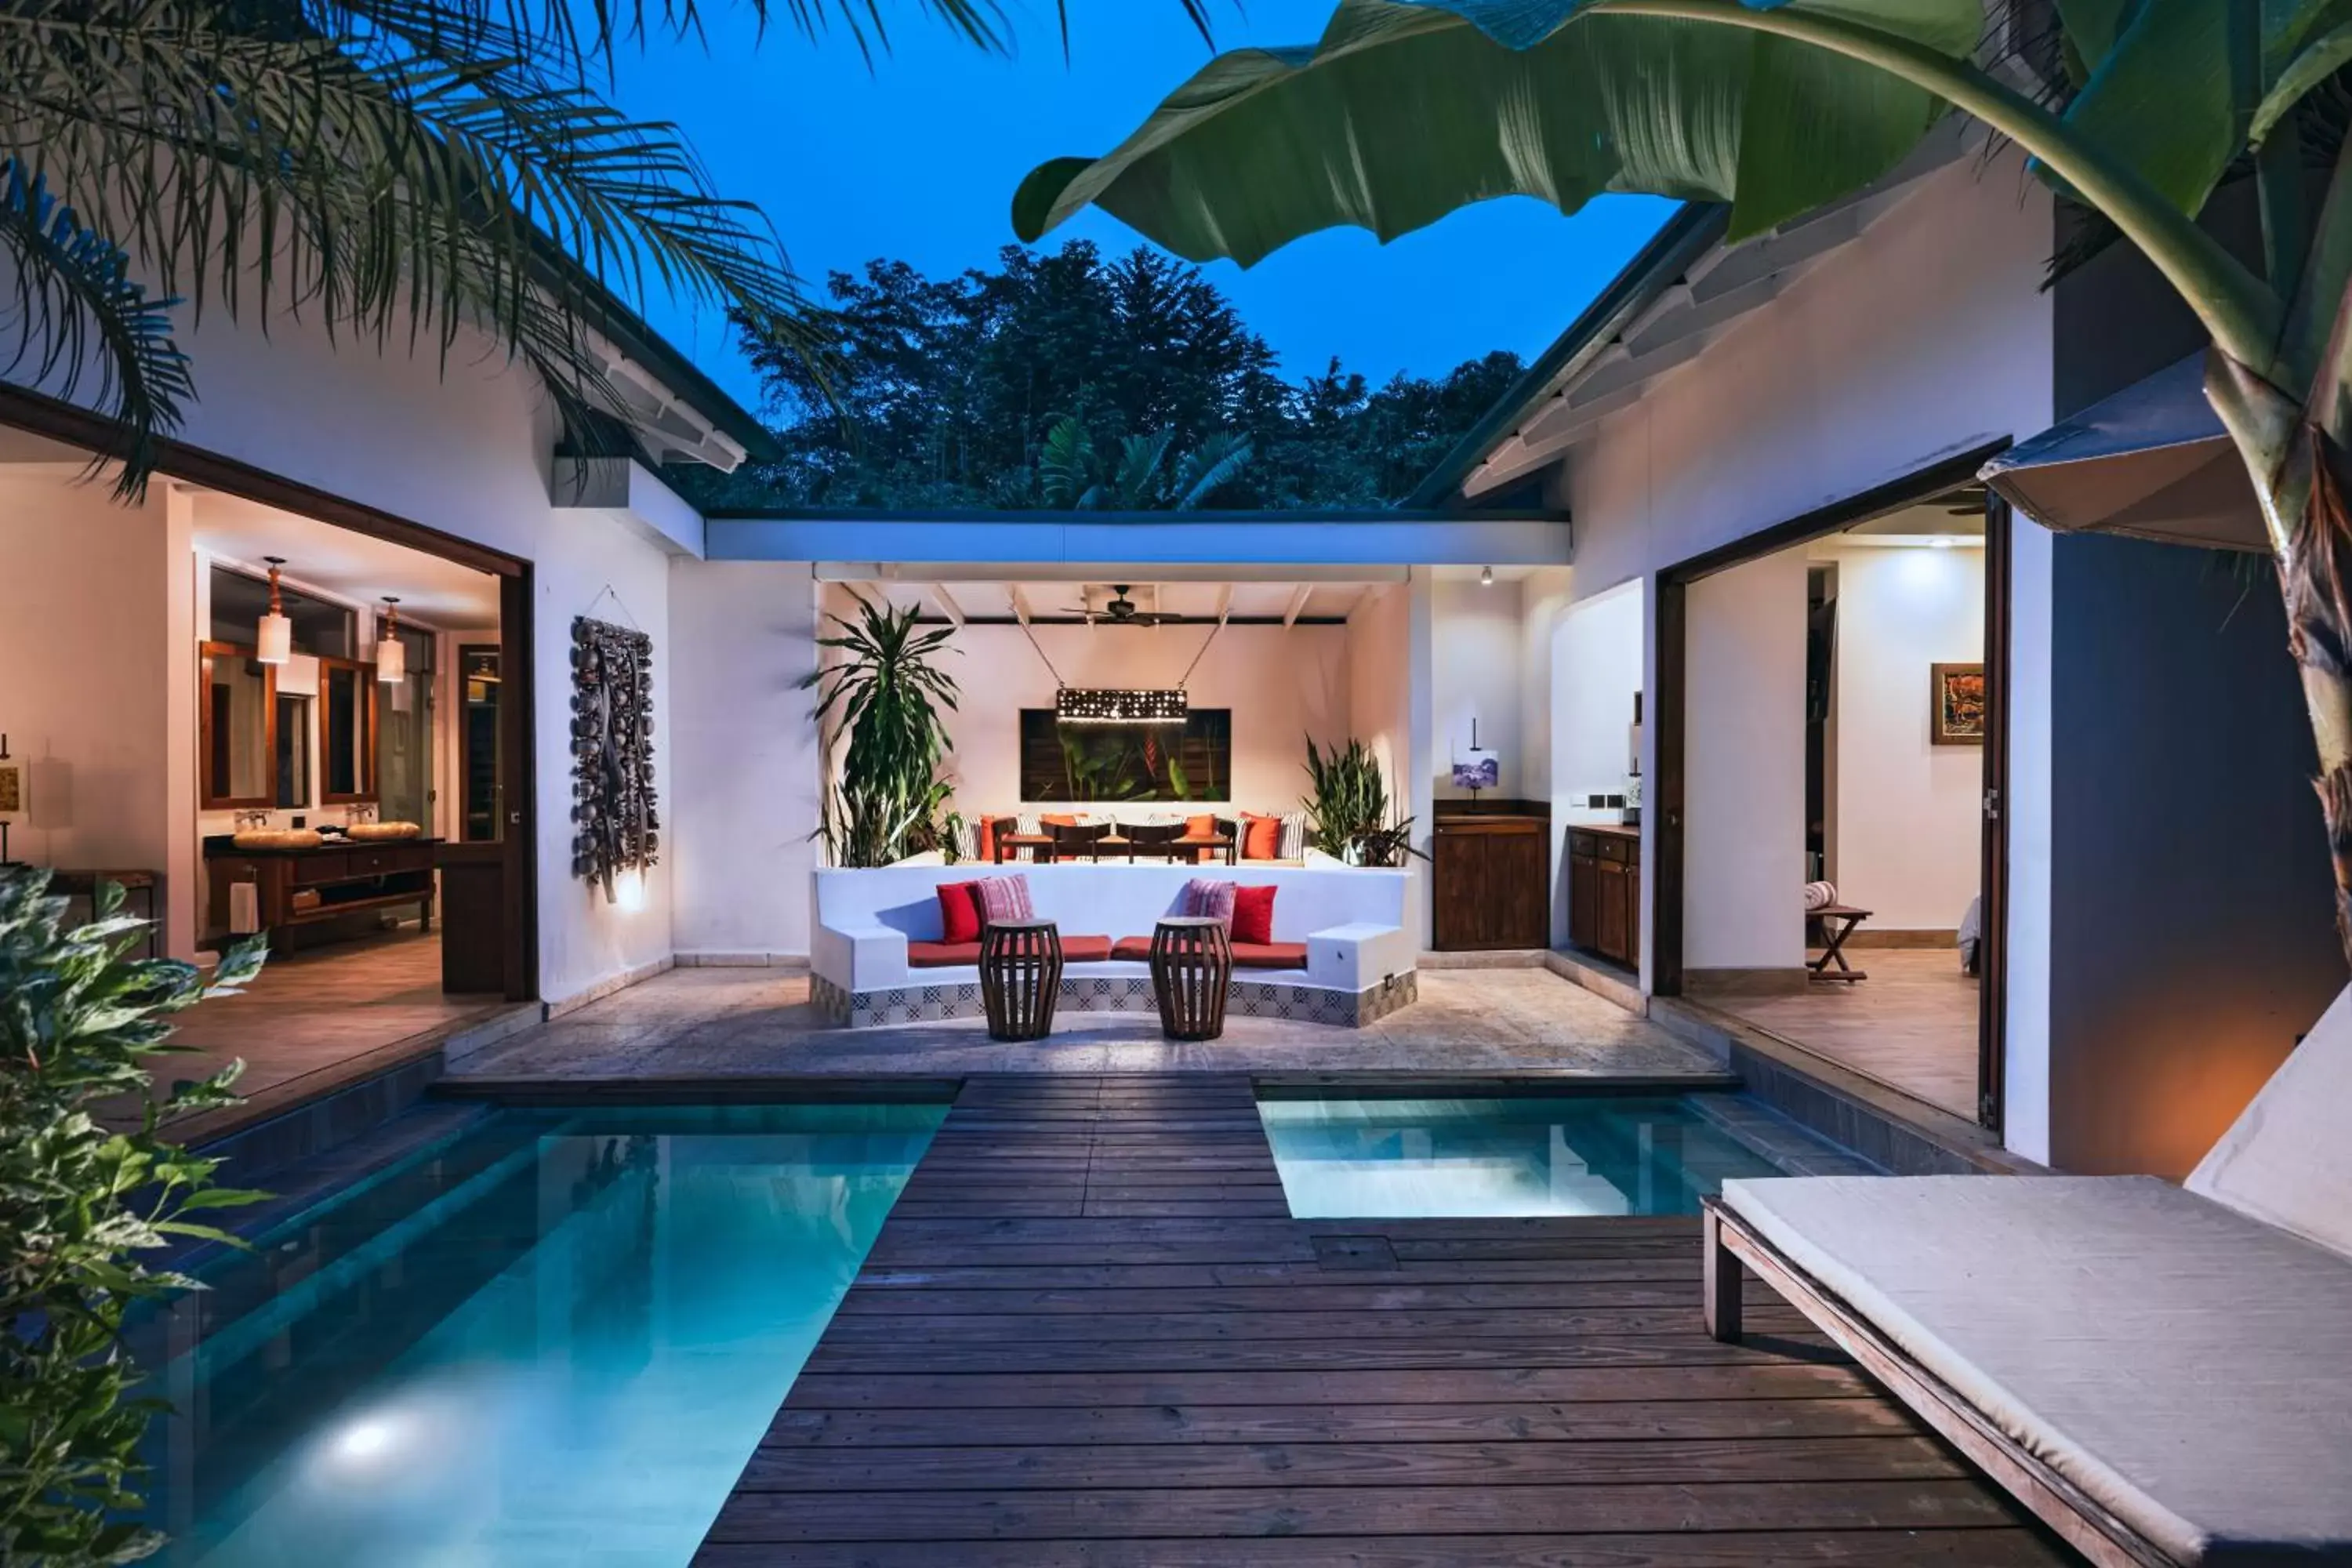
<point>354,566</point>
<point>1956,518</point>
<point>1200,602</point>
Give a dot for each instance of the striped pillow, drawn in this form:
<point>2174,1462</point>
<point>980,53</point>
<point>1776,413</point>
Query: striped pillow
<point>1205,897</point>
<point>1004,899</point>
<point>1292,845</point>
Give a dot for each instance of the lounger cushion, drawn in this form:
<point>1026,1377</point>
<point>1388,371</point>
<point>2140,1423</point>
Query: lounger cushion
<point>1084,949</point>
<point>2187,1368</point>
<point>941,954</point>
<point>2287,1159</point>
<point>1269,955</point>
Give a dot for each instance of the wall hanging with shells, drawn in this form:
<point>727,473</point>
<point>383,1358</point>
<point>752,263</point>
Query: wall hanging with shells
<point>612,804</point>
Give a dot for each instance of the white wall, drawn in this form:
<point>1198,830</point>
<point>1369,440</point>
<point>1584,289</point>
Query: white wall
<point>746,758</point>
<point>1476,672</point>
<point>1904,835</point>
<point>1545,594</point>
<point>1282,684</point>
<point>1380,681</point>
<point>1597,651</point>
<point>85,618</point>
<point>1744,795</point>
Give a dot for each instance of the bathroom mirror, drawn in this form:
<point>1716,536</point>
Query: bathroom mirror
<point>237,724</point>
<point>346,732</point>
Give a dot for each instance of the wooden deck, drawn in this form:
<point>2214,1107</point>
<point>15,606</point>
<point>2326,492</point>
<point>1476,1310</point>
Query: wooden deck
<point>1090,1334</point>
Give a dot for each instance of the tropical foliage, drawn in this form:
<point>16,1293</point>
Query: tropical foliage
<point>1348,807</point>
<point>1074,473</point>
<point>882,697</point>
<point>2136,112</point>
<point>80,1203</point>
<point>946,392</point>
<point>398,172</point>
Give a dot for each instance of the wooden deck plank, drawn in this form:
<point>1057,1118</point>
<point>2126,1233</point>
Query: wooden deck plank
<point>1091,1334</point>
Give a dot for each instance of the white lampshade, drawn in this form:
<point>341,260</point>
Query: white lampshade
<point>273,639</point>
<point>391,659</point>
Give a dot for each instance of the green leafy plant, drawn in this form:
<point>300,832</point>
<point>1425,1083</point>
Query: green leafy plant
<point>79,1202</point>
<point>1348,812</point>
<point>2135,113</point>
<point>1076,473</point>
<point>884,697</point>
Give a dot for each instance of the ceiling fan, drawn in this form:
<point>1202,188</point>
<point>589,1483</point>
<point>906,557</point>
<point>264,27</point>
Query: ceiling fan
<point>1122,611</point>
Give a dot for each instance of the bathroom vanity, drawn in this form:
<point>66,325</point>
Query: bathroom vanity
<point>305,885</point>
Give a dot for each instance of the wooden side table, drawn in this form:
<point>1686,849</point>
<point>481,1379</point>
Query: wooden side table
<point>1020,977</point>
<point>1192,969</point>
<point>1838,923</point>
<point>69,884</point>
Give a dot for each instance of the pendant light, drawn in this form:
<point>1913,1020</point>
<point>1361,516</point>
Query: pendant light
<point>391,653</point>
<point>273,636</point>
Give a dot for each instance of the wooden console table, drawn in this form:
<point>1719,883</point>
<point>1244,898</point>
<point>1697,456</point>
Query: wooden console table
<point>69,884</point>
<point>295,888</point>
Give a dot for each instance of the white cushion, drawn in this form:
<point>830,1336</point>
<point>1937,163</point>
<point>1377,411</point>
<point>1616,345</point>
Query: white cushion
<point>2187,1367</point>
<point>2287,1160</point>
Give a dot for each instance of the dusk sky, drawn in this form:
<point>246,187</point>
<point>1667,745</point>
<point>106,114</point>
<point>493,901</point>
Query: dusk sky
<point>917,158</point>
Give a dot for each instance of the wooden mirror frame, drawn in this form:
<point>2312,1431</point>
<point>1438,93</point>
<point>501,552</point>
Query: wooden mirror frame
<point>365,675</point>
<point>206,799</point>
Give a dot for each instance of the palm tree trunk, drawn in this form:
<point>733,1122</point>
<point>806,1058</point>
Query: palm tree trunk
<point>2294,451</point>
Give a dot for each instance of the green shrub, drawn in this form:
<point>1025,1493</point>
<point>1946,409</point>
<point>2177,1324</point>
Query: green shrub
<point>79,1203</point>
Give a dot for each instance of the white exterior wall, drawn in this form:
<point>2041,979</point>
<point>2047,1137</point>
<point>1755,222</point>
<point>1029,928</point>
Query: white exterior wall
<point>744,801</point>
<point>1597,652</point>
<point>1476,674</point>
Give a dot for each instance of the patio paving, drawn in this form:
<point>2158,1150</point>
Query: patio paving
<point>750,1023</point>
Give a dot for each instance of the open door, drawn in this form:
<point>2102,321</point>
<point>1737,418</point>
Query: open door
<point>488,860</point>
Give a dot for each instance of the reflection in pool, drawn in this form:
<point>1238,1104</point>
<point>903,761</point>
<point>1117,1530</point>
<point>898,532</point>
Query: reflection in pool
<point>553,1339</point>
<point>1591,1154</point>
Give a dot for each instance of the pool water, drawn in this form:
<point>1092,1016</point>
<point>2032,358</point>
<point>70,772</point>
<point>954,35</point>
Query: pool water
<point>1591,1154</point>
<point>553,1339</point>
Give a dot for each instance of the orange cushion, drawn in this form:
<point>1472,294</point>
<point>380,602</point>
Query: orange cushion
<point>1261,836</point>
<point>1085,949</point>
<point>941,954</point>
<point>987,853</point>
<point>1131,948</point>
<point>1269,955</point>
<point>1050,820</point>
<point>959,912</point>
<point>1254,916</point>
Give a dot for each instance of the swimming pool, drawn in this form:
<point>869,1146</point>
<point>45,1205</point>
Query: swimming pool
<point>1590,1155</point>
<point>553,1339</point>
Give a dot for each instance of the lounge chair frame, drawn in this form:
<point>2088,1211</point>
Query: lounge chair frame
<point>1733,1249</point>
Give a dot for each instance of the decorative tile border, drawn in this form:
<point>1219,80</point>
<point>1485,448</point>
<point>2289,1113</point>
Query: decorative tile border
<point>1115,993</point>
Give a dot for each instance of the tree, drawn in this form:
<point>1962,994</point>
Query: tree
<point>1076,473</point>
<point>390,169</point>
<point>946,392</point>
<point>1777,110</point>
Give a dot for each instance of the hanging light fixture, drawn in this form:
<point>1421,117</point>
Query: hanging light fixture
<point>1101,705</point>
<point>391,655</point>
<point>273,636</point>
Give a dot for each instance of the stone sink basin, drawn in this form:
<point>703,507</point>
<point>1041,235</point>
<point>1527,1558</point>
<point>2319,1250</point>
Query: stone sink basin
<point>277,838</point>
<point>380,832</point>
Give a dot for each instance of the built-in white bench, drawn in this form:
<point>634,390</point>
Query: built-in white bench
<point>1343,954</point>
<point>2164,1373</point>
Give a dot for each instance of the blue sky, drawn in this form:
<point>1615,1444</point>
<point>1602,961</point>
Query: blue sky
<point>917,158</point>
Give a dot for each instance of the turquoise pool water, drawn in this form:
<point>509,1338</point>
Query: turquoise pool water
<point>552,1340</point>
<point>1594,1155</point>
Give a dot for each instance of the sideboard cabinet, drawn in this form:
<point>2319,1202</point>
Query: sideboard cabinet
<point>1604,891</point>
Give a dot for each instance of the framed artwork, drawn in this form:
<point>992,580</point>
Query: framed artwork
<point>1957,700</point>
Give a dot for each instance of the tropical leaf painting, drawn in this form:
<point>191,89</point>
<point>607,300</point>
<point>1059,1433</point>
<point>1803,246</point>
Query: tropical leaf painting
<point>1124,761</point>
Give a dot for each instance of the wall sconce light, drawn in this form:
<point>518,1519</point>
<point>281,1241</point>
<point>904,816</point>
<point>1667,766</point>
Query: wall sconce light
<point>273,635</point>
<point>391,655</point>
<point>1485,576</point>
<point>629,891</point>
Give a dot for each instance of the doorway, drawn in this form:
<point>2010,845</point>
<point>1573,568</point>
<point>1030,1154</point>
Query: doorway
<point>1831,730</point>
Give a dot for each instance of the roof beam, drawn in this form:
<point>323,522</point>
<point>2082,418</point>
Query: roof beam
<point>1298,598</point>
<point>1020,604</point>
<point>948,606</point>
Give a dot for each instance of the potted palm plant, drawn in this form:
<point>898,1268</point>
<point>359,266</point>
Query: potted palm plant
<point>885,697</point>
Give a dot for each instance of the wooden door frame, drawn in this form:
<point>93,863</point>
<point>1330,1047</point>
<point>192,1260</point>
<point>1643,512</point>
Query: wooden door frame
<point>1670,656</point>
<point>80,427</point>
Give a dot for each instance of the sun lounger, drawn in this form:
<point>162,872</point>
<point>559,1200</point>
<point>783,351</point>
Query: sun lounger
<point>2162,1374</point>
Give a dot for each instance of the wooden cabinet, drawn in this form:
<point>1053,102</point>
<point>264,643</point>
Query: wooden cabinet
<point>1604,891</point>
<point>301,887</point>
<point>1490,880</point>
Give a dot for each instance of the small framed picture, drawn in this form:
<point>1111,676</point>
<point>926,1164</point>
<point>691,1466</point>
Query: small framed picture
<point>12,786</point>
<point>1956,698</point>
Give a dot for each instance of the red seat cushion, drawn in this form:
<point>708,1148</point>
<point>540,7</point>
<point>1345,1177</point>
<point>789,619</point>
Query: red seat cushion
<point>959,912</point>
<point>941,954</point>
<point>1132,949</point>
<point>1269,955</point>
<point>1085,949</point>
<point>1252,919</point>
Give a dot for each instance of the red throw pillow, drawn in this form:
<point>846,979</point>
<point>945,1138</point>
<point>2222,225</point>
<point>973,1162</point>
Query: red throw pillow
<point>959,911</point>
<point>987,851</point>
<point>1261,836</point>
<point>1253,915</point>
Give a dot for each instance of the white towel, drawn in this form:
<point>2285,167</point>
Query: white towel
<point>244,909</point>
<point>1819,895</point>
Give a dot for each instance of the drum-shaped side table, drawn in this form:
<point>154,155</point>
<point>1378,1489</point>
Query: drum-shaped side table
<point>1192,967</point>
<point>1020,977</point>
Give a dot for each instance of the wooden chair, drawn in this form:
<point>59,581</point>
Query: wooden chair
<point>1153,839</point>
<point>1079,840</point>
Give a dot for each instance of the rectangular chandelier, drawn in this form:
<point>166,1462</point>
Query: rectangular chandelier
<point>1105,705</point>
